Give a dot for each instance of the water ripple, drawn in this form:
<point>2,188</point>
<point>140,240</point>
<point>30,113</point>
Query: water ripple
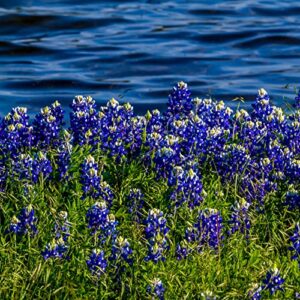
<point>136,50</point>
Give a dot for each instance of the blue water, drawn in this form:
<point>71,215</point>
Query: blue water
<point>136,50</point>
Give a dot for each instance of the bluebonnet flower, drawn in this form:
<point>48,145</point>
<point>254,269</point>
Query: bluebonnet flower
<point>155,131</point>
<point>241,116</point>
<point>63,160</point>
<point>270,117</point>
<point>99,219</point>
<point>47,125</point>
<point>84,121</point>
<point>214,125</point>
<point>109,229</point>
<point>25,222</point>
<point>117,129</point>
<point>15,132</point>
<point>97,216</point>
<point>90,179</point>
<point>25,167</point>
<point>136,135</point>
<point>167,155</point>
<point>56,249</point>
<point>278,155</point>
<point>207,230</point>
<point>180,100</point>
<point>191,131</point>
<point>156,231</point>
<point>262,107</point>
<point>97,263</point>
<point>154,122</point>
<point>187,187</point>
<point>215,140</point>
<point>18,115</point>
<point>273,281</point>
<point>213,113</point>
<point>295,239</point>
<point>153,141</point>
<point>58,112</point>
<point>41,166</point>
<point>156,289</point>
<point>253,134</point>
<point>135,203</point>
<point>239,219</point>
<point>121,250</point>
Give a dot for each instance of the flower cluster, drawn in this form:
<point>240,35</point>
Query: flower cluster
<point>41,166</point>
<point>156,231</point>
<point>232,161</point>
<point>47,125</point>
<point>25,222</point>
<point>121,132</point>
<point>84,120</point>
<point>56,249</point>
<point>156,289</point>
<point>99,219</point>
<point>90,178</point>
<point>16,135</point>
<point>187,186</point>
<point>121,250</point>
<point>180,100</point>
<point>272,283</point>
<point>97,263</point>
<point>183,249</point>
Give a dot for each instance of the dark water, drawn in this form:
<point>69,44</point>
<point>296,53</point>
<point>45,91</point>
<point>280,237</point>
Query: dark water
<point>136,50</point>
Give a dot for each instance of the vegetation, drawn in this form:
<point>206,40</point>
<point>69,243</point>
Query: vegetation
<point>199,202</point>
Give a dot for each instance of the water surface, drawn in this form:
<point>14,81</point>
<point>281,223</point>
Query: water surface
<point>136,50</point>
